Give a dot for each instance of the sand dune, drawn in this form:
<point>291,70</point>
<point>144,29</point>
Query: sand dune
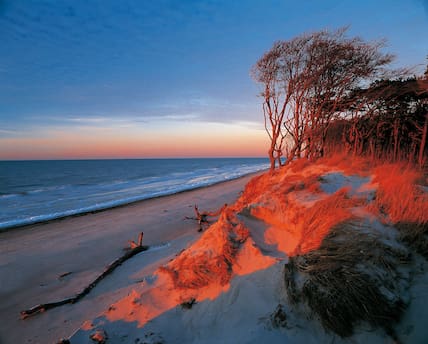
<point>232,284</point>
<point>333,251</point>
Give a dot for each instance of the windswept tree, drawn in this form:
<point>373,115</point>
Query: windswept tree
<point>305,81</point>
<point>275,99</point>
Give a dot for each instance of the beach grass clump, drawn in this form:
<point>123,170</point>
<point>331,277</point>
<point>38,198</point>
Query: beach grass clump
<point>403,200</point>
<point>349,164</point>
<point>353,277</point>
<point>400,195</point>
<point>298,165</point>
<point>415,235</point>
<point>210,260</point>
<point>316,222</point>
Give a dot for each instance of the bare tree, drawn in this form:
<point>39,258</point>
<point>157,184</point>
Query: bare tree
<point>275,100</point>
<point>305,81</point>
<point>280,71</point>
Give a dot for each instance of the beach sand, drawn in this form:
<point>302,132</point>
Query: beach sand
<point>33,259</point>
<point>243,279</point>
<point>246,279</point>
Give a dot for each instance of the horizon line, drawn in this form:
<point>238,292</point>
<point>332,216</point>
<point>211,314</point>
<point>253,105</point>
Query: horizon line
<point>137,158</point>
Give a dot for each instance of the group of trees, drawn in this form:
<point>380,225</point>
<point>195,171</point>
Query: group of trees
<point>323,90</point>
<point>388,120</point>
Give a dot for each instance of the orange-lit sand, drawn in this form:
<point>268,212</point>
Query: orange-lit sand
<point>223,285</point>
<point>201,272</point>
<point>278,215</point>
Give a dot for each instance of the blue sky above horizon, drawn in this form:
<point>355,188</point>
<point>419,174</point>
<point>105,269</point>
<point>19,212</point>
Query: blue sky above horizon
<point>162,77</point>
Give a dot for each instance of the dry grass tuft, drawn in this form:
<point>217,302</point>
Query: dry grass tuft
<point>353,277</point>
<point>398,195</point>
<point>254,188</point>
<point>348,164</point>
<point>298,165</point>
<point>402,201</point>
<point>318,220</point>
<point>415,235</point>
<point>279,318</point>
<point>210,260</point>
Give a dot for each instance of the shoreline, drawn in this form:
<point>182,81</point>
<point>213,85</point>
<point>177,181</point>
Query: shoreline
<point>19,227</point>
<point>33,258</point>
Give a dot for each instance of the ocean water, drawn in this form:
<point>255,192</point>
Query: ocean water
<point>37,191</point>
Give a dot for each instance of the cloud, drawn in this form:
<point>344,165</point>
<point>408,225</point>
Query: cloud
<point>8,132</point>
<point>177,117</point>
<point>202,108</point>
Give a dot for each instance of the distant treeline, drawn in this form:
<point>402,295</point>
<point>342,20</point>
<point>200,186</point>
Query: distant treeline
<point>388,120</point>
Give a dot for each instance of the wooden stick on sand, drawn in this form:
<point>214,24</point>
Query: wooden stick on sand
<point>135,249</point>
<point>202,217</point>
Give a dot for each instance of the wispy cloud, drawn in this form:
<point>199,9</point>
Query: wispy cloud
<point>8,132</point>
<point>179,117</point>
<point>204,108</point>
<point>94,120</point>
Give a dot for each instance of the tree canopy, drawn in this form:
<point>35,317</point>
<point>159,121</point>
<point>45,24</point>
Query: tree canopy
<point>305,81</point>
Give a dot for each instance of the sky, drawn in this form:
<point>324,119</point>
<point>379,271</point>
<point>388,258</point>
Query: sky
<point>163,78</point>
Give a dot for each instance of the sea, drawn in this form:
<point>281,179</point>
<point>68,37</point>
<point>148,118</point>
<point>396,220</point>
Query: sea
<point>43,190</point>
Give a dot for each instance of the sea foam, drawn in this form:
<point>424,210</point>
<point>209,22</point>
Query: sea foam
<point>38,191</point>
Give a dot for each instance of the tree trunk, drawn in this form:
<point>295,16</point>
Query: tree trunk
<point>396,132</point>
<point>271,154</point>
<point>423,142</point>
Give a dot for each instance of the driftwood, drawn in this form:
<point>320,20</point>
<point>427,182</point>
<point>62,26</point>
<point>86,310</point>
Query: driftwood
<point>133,244</point>
<point>45,306</point>
<point>202,217</point>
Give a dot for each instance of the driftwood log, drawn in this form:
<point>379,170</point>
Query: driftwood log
<point>202,217</point>
<point>133,244</point>
<point>135,249</point>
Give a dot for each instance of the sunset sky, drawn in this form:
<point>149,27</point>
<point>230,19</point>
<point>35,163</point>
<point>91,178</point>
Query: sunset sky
<point>162,78</point>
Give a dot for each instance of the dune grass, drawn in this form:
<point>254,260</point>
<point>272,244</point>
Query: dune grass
<point>352,277</point>
<point>415,235</point>
<point>401,199</point>
<point>317,221</point>
<point>211,259</point>
<point>399,195</point>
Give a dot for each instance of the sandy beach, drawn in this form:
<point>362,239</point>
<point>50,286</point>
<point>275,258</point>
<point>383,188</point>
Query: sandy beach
<point>301,255</point>
<point>33,259</point>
